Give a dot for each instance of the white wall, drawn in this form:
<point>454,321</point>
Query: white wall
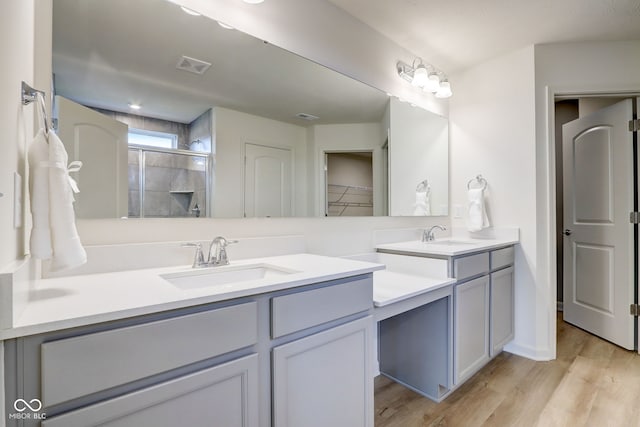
<point>492,132</point>
<point>233,130</point>
<point>568,68</point>
<point>16,122</point>
<point>347,137</point>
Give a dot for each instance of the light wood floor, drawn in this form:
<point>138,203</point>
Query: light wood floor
<point>591,383</point>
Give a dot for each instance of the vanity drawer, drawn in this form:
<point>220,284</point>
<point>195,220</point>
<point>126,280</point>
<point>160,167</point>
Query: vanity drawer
<point>75,367</point>
<point>471,265</point>
<point>501,258</point>
<point>295,312</point>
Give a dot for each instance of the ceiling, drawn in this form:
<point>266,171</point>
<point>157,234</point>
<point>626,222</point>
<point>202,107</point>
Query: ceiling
<point>455,34</point>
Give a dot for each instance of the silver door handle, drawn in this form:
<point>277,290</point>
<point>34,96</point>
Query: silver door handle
<point>566,232</point>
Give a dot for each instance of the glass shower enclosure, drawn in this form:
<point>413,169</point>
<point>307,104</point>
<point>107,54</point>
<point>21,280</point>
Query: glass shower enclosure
<point>167,183</point>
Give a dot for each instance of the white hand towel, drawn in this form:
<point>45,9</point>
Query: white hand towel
<point>67,248</point>
<point>422,206</point>
<point>40,241</point>
<point>477,213</point>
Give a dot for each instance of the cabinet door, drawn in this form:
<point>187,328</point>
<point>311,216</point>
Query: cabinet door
<point>325,379</point>
<point>225,395</point>
<point>471,327</point>
<point>502,316</point>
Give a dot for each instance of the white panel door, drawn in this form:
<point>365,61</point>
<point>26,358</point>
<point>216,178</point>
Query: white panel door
<point>598,245</point>
<point>100,143</point>
<point>267,181</point>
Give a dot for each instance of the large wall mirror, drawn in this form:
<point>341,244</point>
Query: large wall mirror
<point>176,115</point>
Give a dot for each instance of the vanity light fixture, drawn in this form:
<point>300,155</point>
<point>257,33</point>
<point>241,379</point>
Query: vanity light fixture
<point>426,77</point>
<point>189,11</point>
<point>134,106</point>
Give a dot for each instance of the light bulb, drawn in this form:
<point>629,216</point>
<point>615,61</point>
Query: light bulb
<point>433,84</point>
<point>420,76</point>
<point>189,11</point>
<point>445,90</point>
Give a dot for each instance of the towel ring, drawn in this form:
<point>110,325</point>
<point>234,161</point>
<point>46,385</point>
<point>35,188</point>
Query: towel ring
<point>423,186</point>
<point>478,179</point>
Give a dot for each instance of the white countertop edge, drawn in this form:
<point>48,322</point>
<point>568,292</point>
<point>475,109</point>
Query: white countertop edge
<point>188,298</point>
<point>420,248</point>
<point>430,284</point>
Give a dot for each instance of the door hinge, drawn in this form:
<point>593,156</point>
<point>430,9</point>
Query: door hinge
<point>634,125</point>
<point>634,217</point>
<point>634,310</point>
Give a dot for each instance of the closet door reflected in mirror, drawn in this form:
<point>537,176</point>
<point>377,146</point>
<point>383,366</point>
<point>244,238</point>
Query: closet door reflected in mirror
<point>216,90</point>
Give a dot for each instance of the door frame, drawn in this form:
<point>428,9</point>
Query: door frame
<point>324,179</point>
<point>548,177</point>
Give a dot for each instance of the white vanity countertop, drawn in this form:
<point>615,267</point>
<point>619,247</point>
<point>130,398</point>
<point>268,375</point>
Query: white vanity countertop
<point>67,302</point>
<point>390,287</point>
<point>448,246</point>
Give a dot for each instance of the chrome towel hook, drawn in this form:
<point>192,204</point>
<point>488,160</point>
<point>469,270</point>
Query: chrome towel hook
<point>480,180</point>
<point>30,95</point>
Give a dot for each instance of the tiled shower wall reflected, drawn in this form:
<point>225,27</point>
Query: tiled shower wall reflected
<point>174,184</point>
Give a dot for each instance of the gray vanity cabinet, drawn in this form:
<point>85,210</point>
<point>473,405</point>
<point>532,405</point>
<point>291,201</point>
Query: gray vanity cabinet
<point>326,378</point>
<point>295,357</point>
<point>483,308</point>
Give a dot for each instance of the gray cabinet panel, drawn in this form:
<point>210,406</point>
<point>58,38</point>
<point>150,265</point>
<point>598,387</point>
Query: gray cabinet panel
<point>225,395</point>
<point>471,265</point>
<point>502,313</point>
<point>82,365</point>
<point>295,312</point>
<point>414,348</point>
<point>502,257</point>
<point>325,379</point>
<point>471,323</point>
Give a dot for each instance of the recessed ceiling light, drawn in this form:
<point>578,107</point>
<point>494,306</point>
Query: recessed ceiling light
<point>134,106</point>
<point>225,26</point>
<point>253,1</point>
<point>305,116</point>
<point>189,11</point>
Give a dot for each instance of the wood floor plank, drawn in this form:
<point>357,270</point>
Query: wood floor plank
<point>591,383</point>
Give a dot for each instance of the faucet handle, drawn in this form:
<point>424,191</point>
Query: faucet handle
<point>198,258</point>
<point>223,242</point>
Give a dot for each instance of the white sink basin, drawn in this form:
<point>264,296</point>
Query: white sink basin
<point>226,275</point>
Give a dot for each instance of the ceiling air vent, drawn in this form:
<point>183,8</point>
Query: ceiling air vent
<point>192,65</point>
<point>305,116</point>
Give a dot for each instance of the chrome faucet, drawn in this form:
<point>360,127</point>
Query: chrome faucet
<point>217,253</point>
<point>428,234</point>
